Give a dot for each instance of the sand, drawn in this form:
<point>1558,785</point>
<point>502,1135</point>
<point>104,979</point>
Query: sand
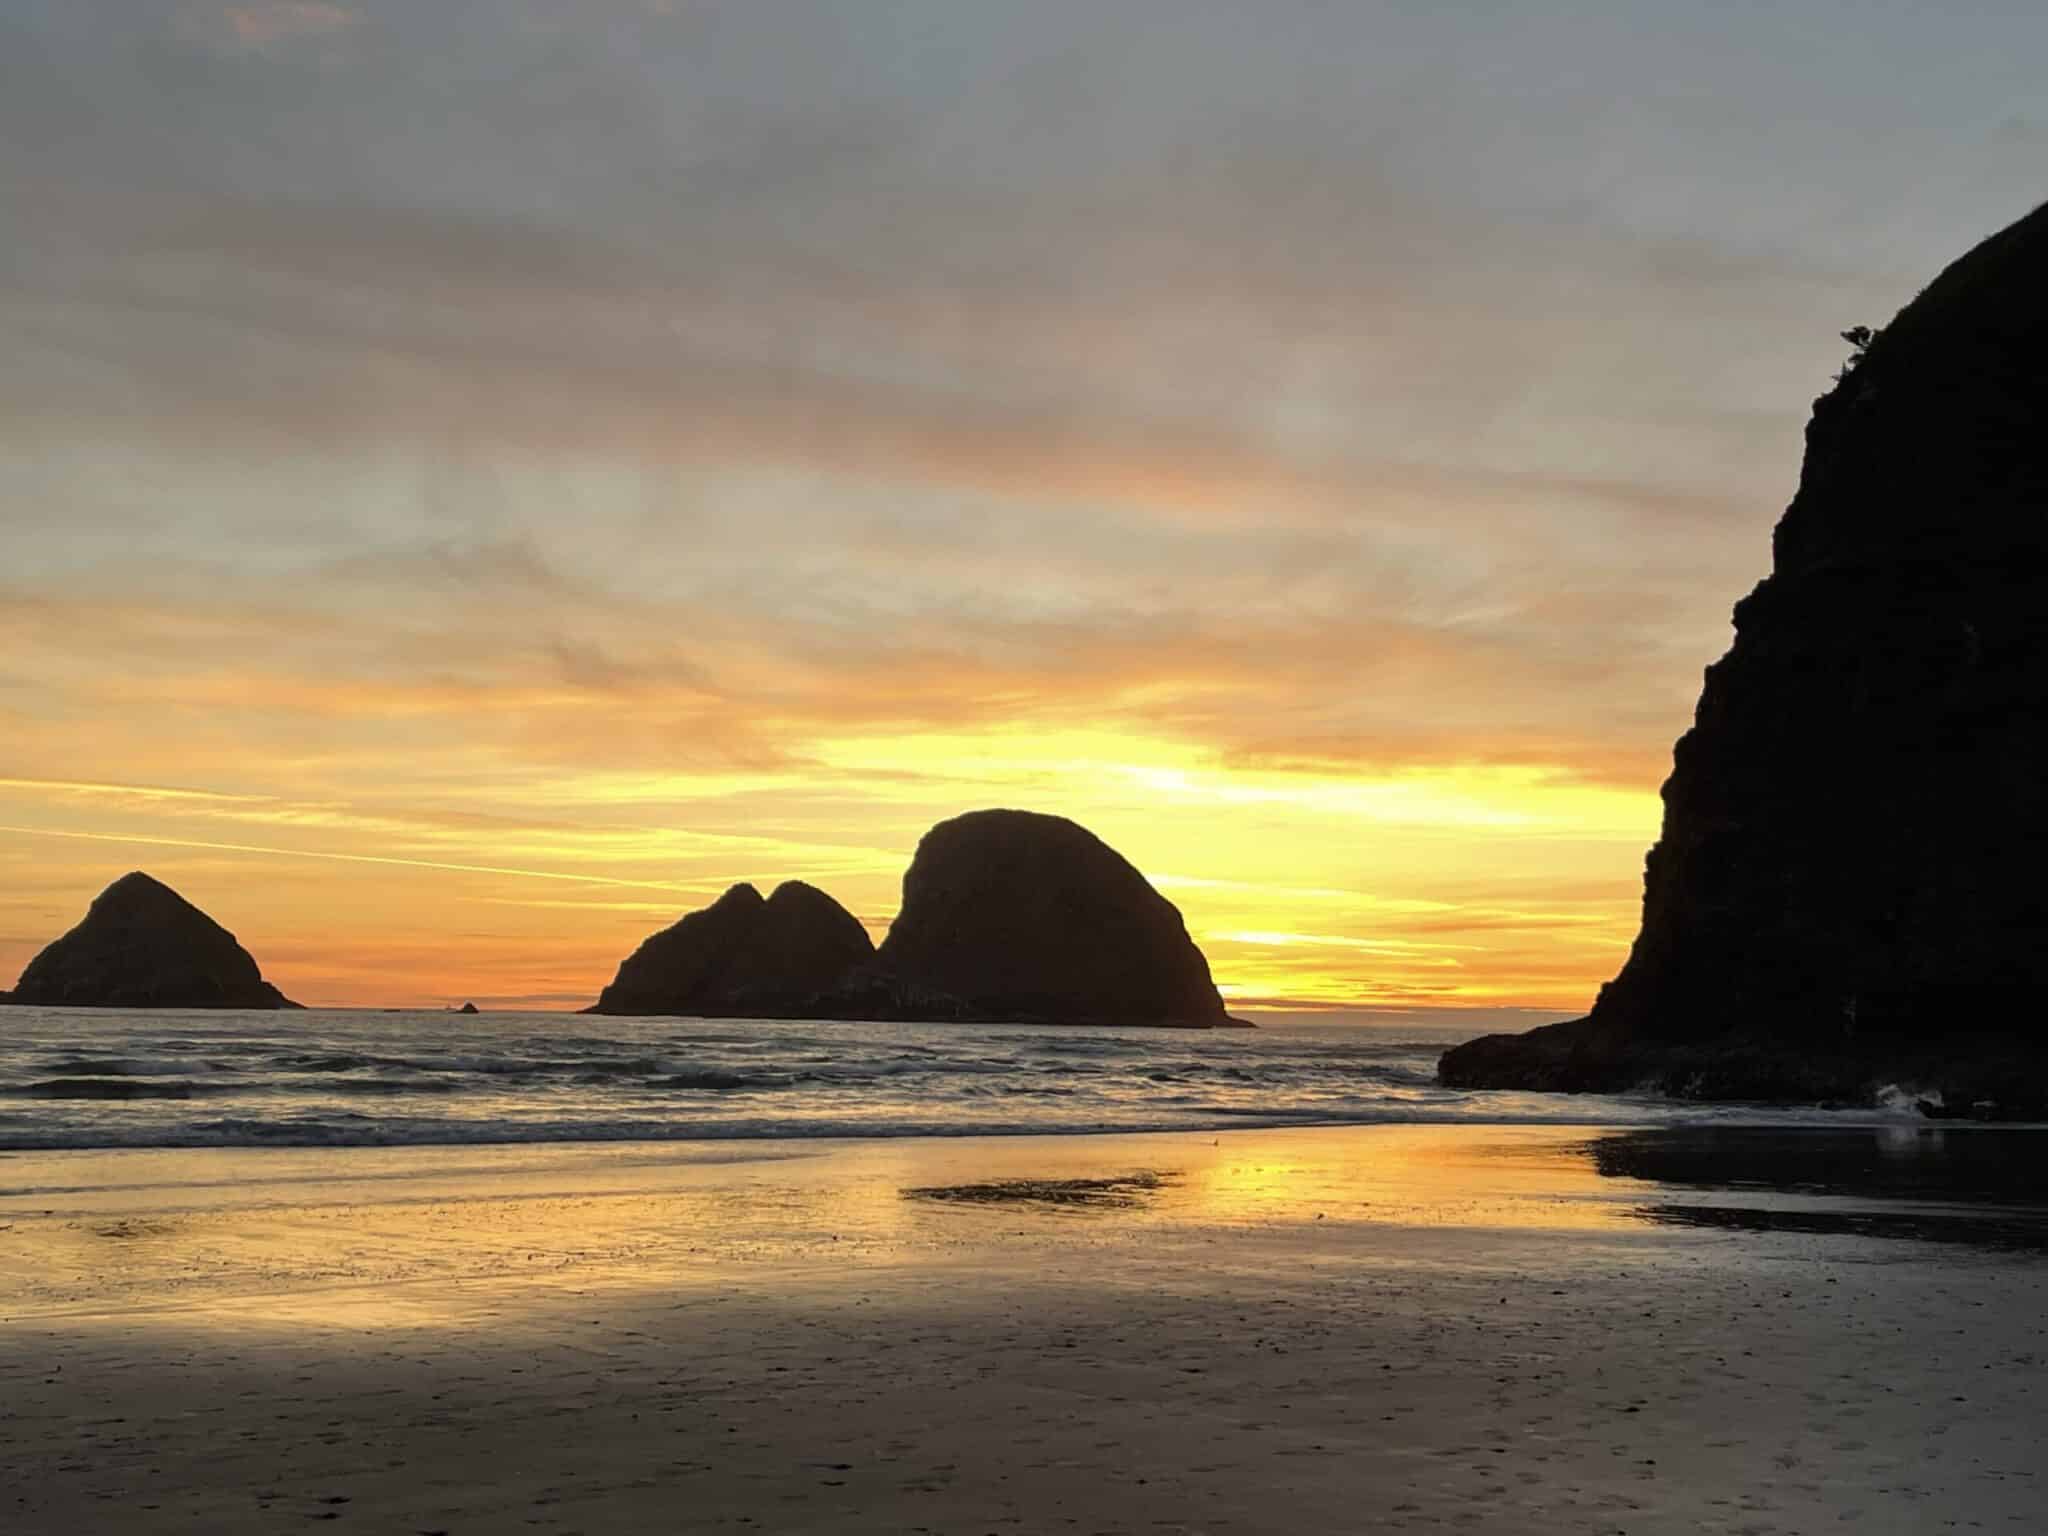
<point>1387,1328</point>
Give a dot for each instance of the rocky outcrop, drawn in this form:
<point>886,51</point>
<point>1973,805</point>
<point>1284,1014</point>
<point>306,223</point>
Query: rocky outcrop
<point>1847,889</point>
<point>142,945</point>
<point>1007,916</point>
<point>1010,915</point>
<point>743,956</point>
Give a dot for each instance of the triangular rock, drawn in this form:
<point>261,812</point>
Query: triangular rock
<point>142,945</point>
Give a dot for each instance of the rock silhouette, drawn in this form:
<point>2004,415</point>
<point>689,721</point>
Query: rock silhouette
<point>1007,916</point>
<point>1017,916</point>
<point>467,1008</point>
<point>1847,890</point>
<point>743,956</point>
<point>142,945</point>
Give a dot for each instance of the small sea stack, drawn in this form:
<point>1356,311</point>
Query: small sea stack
<point>142,945</point>
<point>1847,890</point>
<point>1033,918</point>
<point>743,956</point>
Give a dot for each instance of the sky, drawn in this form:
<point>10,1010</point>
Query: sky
<point>476,479</point>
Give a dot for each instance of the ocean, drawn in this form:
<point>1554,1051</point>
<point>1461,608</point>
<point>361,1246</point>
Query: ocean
<point>73,1078</point>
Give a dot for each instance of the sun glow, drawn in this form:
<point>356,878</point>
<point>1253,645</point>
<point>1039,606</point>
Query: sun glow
<point>1461,883</point>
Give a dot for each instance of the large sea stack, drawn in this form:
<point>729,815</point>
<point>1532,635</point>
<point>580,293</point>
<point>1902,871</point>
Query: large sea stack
<point>1849,889</point>
<point>1017,916</point>
<point>142,945</point>
<point>743,956</point>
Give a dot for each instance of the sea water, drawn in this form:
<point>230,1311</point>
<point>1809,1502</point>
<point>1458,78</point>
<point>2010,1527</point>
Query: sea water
<point>87,1078</point>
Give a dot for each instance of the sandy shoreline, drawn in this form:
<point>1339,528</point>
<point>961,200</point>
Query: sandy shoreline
<point>1398,1328</point>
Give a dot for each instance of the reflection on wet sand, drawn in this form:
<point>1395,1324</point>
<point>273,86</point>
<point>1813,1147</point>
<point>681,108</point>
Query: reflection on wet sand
<point>400,1225</point>
<point>415,1233</point>
<point>1909,1162</point>
<point>1981,1185</point>
<point>1400,1327</point>
<point>1978,1229</point>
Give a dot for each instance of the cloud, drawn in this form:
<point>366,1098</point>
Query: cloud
<point>344,858</point>
<point>589,680</point>
<point>142,793</point>
<point>260,25</point>
<point>684,442</point>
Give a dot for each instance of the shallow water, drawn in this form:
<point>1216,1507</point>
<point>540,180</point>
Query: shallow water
<point>84,1078</point>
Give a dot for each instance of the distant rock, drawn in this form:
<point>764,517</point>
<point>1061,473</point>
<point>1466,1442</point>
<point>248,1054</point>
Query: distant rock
<point>467,1008</point>
<point>1011,915</point>
<point>743,957</point>
<point>1007,916</point>
<point>142,945</point>
<point>1847,892</point>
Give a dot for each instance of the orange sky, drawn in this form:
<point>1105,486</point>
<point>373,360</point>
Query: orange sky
<point>474,482</point>
<point>1439,885</point>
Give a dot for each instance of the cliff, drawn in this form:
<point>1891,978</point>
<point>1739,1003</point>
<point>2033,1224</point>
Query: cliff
<point>743,956</point>
<point>142,945</point>
<point>1846,890</point>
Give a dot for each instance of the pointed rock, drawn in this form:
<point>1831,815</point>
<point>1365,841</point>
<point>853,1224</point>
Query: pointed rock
<point>743,957</point>
<point>142,945</point>
<point>1847,888</point>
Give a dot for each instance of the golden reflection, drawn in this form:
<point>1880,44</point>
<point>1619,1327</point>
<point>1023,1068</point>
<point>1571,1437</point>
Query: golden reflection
<point>403,1236</point>
<point>1406,1175</point>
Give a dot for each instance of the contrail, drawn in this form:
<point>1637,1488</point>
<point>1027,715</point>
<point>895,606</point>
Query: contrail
<point>351,858</point>
<point>139,791</point>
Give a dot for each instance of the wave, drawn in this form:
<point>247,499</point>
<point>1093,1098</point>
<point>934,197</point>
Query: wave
<point>129,1066</point>
<point>113,1088</point>
<point>716,1082</point>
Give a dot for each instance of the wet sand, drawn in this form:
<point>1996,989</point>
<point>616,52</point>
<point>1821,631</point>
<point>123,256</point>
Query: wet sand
<point>1385,1328</point>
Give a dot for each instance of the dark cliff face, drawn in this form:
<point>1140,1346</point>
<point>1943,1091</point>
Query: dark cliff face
<point>142,945</point>
<point>1847,882</point>
<point>1031,917</point>
<point>743,955</point>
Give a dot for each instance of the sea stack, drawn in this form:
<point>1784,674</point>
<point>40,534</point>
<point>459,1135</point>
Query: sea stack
<point>1848,888</point>
<point>743,957</point>
<point>142,945</point>
<point>1027,917</point>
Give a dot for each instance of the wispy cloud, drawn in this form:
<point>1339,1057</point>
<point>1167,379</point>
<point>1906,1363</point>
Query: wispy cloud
<point>145,840</point>
<point>272,21</point>
<point>135,792</point>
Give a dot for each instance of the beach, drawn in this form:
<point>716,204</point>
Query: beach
<point>1373,1327</point>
